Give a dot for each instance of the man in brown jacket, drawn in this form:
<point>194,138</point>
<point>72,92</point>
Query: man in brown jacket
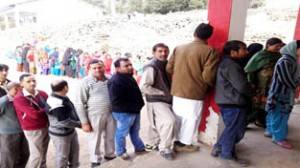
<point>193,66</point>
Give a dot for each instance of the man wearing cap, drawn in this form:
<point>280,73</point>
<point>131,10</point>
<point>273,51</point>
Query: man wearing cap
<point>14,147</point>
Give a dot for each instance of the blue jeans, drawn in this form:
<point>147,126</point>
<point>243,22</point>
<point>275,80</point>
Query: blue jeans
<point>235,127</point>
<point>127,123</point>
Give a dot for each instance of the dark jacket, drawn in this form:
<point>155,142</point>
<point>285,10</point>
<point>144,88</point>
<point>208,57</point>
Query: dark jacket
<point>124,94</point>
<point>62,115</point>
<point>162,81</point>
<point>232,86</point>
<point>2,90</point>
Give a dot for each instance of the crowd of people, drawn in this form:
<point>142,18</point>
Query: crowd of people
<point>73,63</point>
<point>108,105</point>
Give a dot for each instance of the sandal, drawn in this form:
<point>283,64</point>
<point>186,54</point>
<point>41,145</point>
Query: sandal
<point>283,144</point>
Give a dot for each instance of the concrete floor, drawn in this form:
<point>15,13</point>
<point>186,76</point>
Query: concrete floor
<point>257,149</point>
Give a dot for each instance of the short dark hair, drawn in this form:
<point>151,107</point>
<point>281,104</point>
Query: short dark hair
<point>59,86</point>
<point>253,48</point>
<point>298,43</point>
<point>95,61</point>
<point>3,67</point>
<point>158,45</point>
<point>117,63</point>
<point>234,45</point>
<point>21,78</point>
<point>204,31</point>
<point>273,41</point>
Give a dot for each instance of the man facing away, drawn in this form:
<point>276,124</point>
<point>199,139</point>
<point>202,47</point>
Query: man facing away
<point>30,107</point>
<point>14,147</point>
<point>94,111</point>
<point>156,85</point>
<point>232,92</point>
<point>3,79</point>
<point>127,102</point>
<point>63,120</point>
<point>193,66</point>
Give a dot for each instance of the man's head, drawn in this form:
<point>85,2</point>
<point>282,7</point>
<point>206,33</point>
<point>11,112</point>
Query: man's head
<point>298,47</point>
<point>97,69</point>
<point>236,49</point>
<point>13,88</point>
<point>3,72</point>
<point>124,66</point>
<point>28,82</point>
<point>203,31</point>
<point>160,51</point>
<point>60,87</point>
<point>274,44</point>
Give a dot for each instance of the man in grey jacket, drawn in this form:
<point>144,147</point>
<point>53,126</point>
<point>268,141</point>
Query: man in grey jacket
<point>14,149</point>
<point>232,93</point>
<point>63,120</point>
<point>156,84</point>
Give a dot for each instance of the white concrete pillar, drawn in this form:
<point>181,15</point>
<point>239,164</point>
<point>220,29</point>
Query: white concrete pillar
<point>17,17</point>
<point>6,22</point>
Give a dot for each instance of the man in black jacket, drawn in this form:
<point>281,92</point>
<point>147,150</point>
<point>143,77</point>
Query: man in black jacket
<point>232,92</point>
<point>63,120</point>
<point>127,101</point>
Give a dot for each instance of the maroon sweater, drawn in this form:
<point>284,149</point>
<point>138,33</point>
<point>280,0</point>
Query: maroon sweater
<point>31,111</point>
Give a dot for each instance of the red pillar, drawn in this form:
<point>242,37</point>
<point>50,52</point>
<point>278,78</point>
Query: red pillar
<point>297,37</point>
<point>228,17</point>
<point>297,29</point>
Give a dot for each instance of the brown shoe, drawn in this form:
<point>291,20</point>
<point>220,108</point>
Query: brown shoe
<point>124,156</point>
<point>186,148</point>
<point>140,152</point>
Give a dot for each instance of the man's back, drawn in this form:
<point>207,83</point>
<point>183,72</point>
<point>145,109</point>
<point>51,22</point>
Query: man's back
<point>193,66</point>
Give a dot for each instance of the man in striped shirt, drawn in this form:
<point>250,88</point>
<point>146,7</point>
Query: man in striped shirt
<point>94,111</point>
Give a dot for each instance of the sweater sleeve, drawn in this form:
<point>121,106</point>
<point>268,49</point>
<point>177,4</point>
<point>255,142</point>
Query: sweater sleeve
<point>25,109</point>
<point>147,81</point>
<point>3,102</point>
<point>285,73</point>
<point>63,119</point>
<point>210,68</point>
<point>113,89</point>
<point>81,100</point>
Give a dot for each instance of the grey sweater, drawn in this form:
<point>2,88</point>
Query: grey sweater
<point>92,98</point>
<point>9,123</point>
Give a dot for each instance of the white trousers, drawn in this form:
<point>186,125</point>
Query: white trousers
<point>188,115</point>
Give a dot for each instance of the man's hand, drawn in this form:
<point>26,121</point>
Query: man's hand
<point>87,127</point>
